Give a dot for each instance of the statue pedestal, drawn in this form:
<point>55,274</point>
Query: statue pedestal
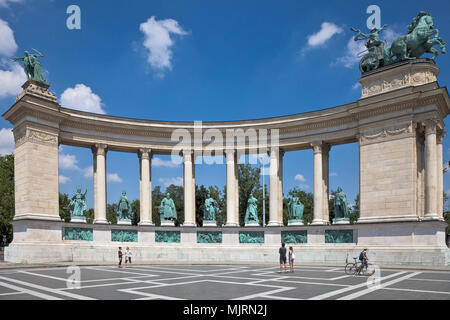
<point>124,222</point>
<point>165,223</point>
<point>252,224</point>
<point>78,219</point>
<point>295,223</point>
<point>341,221</point>
<point>209,223</point>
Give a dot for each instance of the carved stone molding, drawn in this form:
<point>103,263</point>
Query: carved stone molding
<point>415,74</point>
<point>38,89</point>
<point>100,149</point>
<point>387,133</point>
<point>35,136</point>
<point>145,153</point>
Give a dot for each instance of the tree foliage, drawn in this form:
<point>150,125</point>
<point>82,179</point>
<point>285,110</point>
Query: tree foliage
<point>307,199</point>
<point>6,196</point>
<point>64,209</point>
<point>111,213</point>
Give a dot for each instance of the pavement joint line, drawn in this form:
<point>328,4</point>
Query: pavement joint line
<point>315,283</point>
<point>262,294</point>
<point>99,285</point>
<point>120,271</point>
<point>28,291</point>
<point>416,290</point>
<point>421,279</point>
<point>350,288</point>
<point>375,288</point>
<point>54,291</point>
<point>9,293</point>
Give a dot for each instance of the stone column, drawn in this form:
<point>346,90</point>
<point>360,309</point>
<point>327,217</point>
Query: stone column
<point>280,188</point>
<point>145,158</point>
<point>431,167</point>
<point>236,186</point>
<point>273,187</point>
<point>100,151</point>
<point>189,215</point>
<point>231,191</point>
<point>318,184</point>
<point>440,175</point>
<point>420,139</point>
<point>193,188</point>
<point>326,181</point>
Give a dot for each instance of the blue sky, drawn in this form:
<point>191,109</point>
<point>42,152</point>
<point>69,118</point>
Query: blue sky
<point>199,60</point>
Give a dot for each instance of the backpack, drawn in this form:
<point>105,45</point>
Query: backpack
<point>361,256</point>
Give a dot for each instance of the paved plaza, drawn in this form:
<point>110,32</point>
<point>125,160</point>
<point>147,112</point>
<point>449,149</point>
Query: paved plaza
<point>220,282</point>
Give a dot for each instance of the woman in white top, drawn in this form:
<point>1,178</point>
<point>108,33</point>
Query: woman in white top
<point>127,256</point>
<point>291,259</point>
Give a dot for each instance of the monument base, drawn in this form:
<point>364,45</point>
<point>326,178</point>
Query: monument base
<point>295,223</point>
<point>78,219</point>
<point>341,221</point>
<point>124,222</point>
<point>209,223</point>
<point>252,224</point>
<point>167,223</point>
<point>420,243</point>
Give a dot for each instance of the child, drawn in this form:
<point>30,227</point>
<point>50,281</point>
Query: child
<point>127,256</point>
<point>291,258</point>
<point>120,257</point>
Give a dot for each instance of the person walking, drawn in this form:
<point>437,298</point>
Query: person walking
<point>291,259</point>
<point>120,254</point>
<point>127,256</point>
<point>282,253</point>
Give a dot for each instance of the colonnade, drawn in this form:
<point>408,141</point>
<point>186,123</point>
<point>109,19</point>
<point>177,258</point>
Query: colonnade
<point>432,181</point>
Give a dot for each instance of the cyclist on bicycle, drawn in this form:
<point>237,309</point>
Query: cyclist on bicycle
<point>363,258</point>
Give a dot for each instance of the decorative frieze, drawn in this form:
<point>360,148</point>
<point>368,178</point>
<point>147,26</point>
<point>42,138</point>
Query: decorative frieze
<point>78,234</point>
<point>386,133</point>
<point>209,237</point>
<point>167,236</point>
<point>251,237</point>
<point>35,136</point>
<point>338,236</point>
<point>124,236</point>
<point>300,236</point>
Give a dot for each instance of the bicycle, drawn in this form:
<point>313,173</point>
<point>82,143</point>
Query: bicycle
<point>353,268</point>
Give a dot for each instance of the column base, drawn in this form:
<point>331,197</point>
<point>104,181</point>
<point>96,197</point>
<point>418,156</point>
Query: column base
<point>124,222</point>
<point>233,224</point>
<point>432,216</point>
<point>146,223</point>
<point>318,222</point>
<point>209,223</point>
<point>189,224</point>
<point>252,224</point>
<point>101,221</point>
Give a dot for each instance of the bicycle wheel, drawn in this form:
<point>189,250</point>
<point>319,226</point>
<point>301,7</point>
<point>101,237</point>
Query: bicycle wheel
<point>349,268</point>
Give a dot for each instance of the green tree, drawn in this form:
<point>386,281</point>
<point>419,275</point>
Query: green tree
<point>136,209</point>
<point>89,214</point>
<point>249,182</point>
<point>111,213</point>
<point>6,196</point>
<point>354,213</point>
<point>307,199</point>
<point>201,194</point>
<point>157,197</point>
<point>64,209</point>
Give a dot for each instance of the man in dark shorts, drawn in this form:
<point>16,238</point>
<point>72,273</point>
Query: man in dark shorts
<point>282,253</point>
<point>120,257</point>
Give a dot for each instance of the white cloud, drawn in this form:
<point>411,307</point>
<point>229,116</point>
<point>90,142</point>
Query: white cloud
<point>89,172</point>
<point>353,53</point>
<point>300,177</point>
<point>113,177</point>
<point>8,45</point>
<point>68,162</point>
<point>82,98</point>
<point>158,162</point>
<point>12,79</point>
<point>178,181</point>
<point>327,31</point>
<point>158,41</point>
<point>356,85</point>
<point>390,35</point>
<point>63,179</point>
<point>4,3</point>
<point>333,174</point>
<point>6,141</point>
<point>303,186</point>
